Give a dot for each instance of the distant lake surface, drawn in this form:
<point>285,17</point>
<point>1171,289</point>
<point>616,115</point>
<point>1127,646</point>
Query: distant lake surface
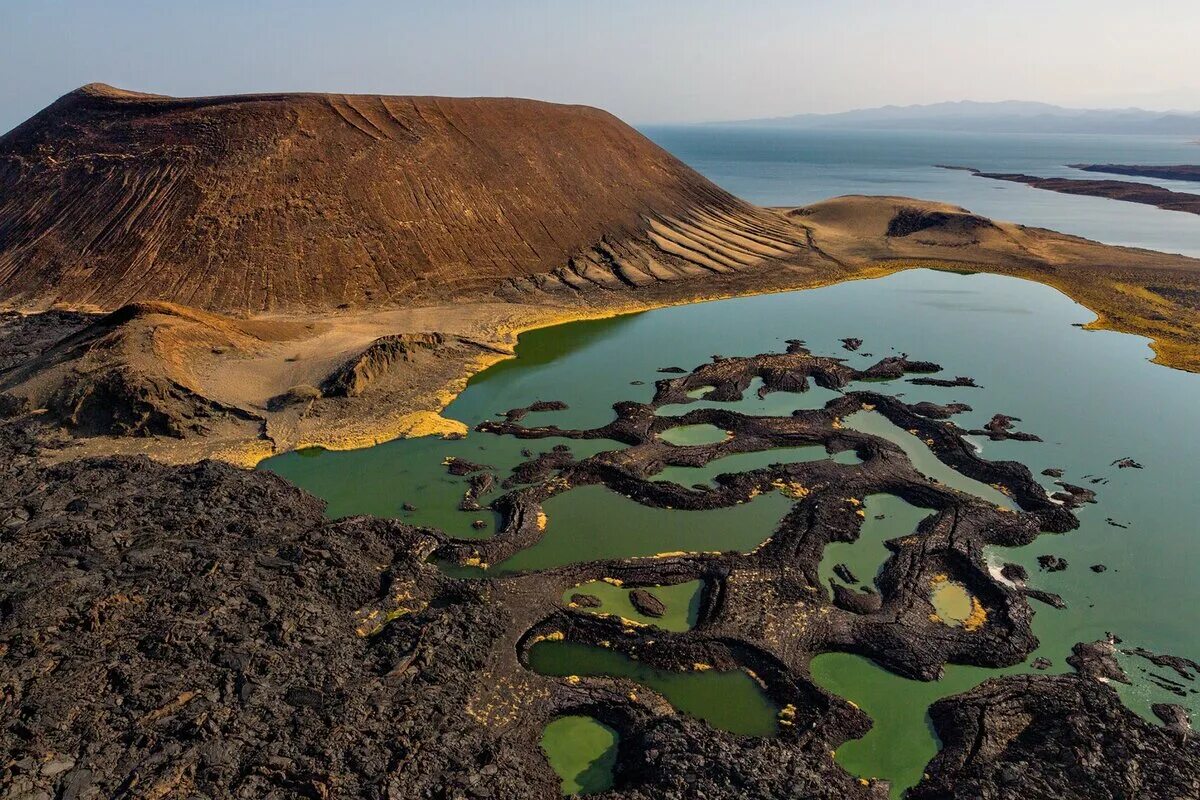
<point>776,167</point>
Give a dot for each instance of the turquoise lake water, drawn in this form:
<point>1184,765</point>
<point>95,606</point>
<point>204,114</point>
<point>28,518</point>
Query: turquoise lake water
<point>777,167</point>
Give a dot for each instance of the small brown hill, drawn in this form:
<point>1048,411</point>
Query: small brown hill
<point>306,202</point>
<point>130,372</point>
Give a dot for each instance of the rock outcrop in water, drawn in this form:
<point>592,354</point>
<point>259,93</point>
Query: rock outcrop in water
<point>1175,172</point>
<point>646,603</point>
<point>828,501</point>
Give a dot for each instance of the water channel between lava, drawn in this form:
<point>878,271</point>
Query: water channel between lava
<point>1092,396</point>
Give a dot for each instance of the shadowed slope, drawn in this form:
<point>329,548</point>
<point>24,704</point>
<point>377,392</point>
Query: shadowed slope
<point>307,202</point>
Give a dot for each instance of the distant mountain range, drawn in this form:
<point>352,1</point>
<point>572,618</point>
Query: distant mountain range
<point>1012,116</point>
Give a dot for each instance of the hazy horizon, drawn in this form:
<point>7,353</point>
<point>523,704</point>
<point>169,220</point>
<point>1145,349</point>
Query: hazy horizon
<point>665,62</point>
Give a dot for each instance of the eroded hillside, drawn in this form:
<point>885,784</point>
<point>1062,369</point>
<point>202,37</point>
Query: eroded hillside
<point>309,202</point>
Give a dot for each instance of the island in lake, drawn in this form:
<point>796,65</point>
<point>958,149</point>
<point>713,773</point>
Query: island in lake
<point>647,572</point>
<point>1128,191</point>
<point>1175,172</point>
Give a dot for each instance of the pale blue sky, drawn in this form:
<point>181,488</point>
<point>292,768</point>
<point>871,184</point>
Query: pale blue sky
<point>647,61</point>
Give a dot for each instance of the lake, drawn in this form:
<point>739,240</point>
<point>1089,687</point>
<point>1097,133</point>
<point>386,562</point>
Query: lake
<point>1093,397</point>
<point>776,167</point>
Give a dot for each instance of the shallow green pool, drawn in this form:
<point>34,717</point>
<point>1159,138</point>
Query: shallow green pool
<point>922,457</point>
<point>887,517</point>
<point>382,480</point>
<point>746,462</point>
<point>901,740</point>
<point>583,751</point>
<point>684,435</point>
<point>951,602</point>
<point>590,523</point>
<point>682,603</point>
<point>731,701</point>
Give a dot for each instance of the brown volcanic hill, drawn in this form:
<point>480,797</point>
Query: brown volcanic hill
<point>310,201</point>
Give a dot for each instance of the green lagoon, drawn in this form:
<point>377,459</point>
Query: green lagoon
<point>1093,396</point>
